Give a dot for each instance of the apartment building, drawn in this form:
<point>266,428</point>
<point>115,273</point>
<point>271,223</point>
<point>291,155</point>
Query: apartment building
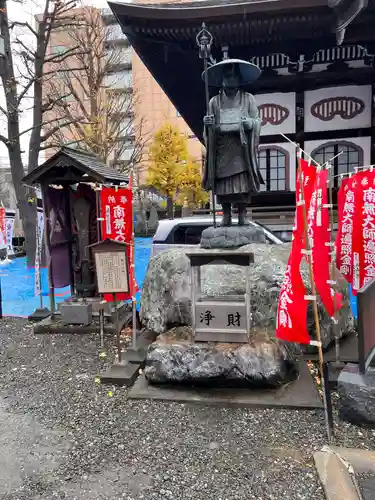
<point>102,95</point>
<point>149,108</point>
<point>155,106</point>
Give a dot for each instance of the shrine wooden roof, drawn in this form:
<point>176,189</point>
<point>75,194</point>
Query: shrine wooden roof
<point>70,166</point>
<point>164,37</point>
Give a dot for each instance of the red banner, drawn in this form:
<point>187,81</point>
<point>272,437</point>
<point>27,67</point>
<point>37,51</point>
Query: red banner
<point>367,256</point>
<point>321,246</point>
<point>2,226</point>
<point>364,230</point>
<point>117,212</point>
<point>344,237</point>
<point>355,243</point>
<point>292,307</point>
<point>359,184</point>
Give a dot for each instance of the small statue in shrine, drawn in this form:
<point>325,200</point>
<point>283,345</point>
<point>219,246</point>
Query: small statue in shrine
<point>83,203</point>
<point>232,130</point>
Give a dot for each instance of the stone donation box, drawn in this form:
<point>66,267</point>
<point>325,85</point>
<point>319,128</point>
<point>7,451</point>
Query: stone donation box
<point>216,318</point>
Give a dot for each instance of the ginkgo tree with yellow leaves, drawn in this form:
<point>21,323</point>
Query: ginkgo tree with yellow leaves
<point>172,172</point>
<point>190,185</point>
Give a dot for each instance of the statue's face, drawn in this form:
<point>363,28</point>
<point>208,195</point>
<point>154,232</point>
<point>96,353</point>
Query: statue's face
<point>230,78</point>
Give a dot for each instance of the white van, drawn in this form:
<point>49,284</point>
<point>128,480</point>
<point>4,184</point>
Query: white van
<point>187,231</point>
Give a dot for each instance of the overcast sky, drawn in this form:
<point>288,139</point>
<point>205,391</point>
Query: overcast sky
<point>26,12</point>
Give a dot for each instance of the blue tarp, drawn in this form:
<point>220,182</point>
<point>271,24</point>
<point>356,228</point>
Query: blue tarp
<point>353,303</point>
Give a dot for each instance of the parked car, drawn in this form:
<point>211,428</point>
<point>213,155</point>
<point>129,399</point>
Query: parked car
<point>187,231</point>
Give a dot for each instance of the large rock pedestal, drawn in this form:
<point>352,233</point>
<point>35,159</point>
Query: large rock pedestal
<point>173,358</point>
<point>166,297</point>
<point>357,395</point>
<point>231,237</point>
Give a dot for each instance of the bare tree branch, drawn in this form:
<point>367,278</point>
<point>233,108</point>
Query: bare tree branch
<point>25,91</point>
<point>4,140</point>
<point>24,25</point>
<point>59,58</point>
<point>30,53</point>
<point>101,120</point>
<point>53,130</point>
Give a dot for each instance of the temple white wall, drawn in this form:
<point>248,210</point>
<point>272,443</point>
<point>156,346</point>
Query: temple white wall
<point>325,111</point>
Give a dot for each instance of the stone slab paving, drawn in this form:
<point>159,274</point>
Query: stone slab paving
<point>300,394</point>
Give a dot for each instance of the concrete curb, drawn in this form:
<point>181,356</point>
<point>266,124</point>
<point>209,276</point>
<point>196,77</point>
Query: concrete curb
<point>336,467</point>
<point>334,476</point>
<point>362,461</point>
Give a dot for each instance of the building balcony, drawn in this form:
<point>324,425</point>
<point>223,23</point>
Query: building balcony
<point>119,80</point>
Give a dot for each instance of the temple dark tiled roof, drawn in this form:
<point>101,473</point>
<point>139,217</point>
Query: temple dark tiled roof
<point>164,37</point>
<point>70,166</point>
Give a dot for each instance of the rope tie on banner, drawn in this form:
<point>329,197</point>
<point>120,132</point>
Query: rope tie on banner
<point>306,252</point>
<point>310,297</point>
<point>356,170</point>
<point>300,151</point>
<point>315,343</point>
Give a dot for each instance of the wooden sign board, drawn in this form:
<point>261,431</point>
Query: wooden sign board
<point>112,272</point>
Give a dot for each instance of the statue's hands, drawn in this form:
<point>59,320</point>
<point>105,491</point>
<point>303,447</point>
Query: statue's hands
<point>208,120</point>
<point>247,123</point>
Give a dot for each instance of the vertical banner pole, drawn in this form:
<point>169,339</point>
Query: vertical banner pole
<point>335,326</point>
<point>101,322</point>
<point>48,252</point>
<point>117,326</point>
<point>38,277</point>
<point>133,285</point>
<point>314,302</point>
<point>1,301</point>
<point>98,191</point>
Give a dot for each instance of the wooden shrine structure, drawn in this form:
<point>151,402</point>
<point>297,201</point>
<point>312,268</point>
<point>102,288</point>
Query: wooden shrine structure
<point>70,181</point>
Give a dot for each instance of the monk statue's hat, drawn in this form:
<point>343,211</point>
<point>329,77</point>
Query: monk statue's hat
<point>247,72</point>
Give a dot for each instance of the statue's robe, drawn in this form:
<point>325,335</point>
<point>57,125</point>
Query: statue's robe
<point>232,170</point>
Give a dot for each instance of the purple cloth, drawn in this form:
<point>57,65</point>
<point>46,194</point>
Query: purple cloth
<point>59,236</point>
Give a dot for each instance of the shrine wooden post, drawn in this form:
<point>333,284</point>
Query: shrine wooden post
<point>112,275</point>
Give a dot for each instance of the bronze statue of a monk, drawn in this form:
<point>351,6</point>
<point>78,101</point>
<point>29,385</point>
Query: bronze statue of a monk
<point>232,129</point>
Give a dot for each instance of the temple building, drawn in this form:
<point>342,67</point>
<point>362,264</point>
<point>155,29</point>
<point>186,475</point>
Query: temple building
<point>317,83</point>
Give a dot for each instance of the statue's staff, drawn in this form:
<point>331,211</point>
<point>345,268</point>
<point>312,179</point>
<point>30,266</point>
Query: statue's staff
<point>204,42</point>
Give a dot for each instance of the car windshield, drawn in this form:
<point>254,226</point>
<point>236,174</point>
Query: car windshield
<point>188,232</point>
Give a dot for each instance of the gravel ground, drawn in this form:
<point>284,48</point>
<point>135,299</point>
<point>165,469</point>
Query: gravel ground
<point>65,436</point>
<point>366,483</point>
